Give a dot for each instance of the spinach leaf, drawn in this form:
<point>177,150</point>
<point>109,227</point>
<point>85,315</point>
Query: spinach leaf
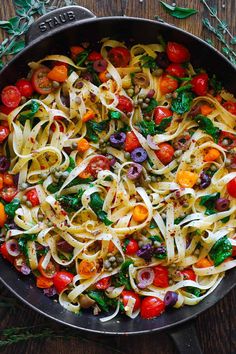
<point>184,88</point>
<point>194,291</point>
<point>22,242</point>
<point>82,57</point>
<point>152,104</point>
<point>153,224</point>
<point>11,207</point>
<point>54,187</point>
<point>93,127</point>
<point>182,103</point>
<point>156,238</point>
<point>32,109</point>
<point>148,62</point>
<point>71,202</point>
<point>225,220</point>
<point>209,202</point>
<point>71,165</point>
<point>207,126</point>
<point>221,250</point>
<point>178,220</point>
<point>150,127</point>
<point>178,12</point>
<point>163,125</point>
<point>102,300</point>
<point>123,276</point>
<point>96,203</point>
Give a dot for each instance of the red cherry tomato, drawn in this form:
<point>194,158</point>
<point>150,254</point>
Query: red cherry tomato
<point>131,142</point>
<point>160,113</point>
<point>188,274</point>
<point>5,254</point>
<point>40,81</point>
<point>51,269</point>
<point>32,196</point>
<point>93,56</point>
<point>231,187</point>
<point>200,84</point>
<point>168,84</point>
<point>119,56</point>
<point>176,70</point>
<point>103,284</point>
<point>231,138</point>
<point>25,87</point>
<point>230,106</point>
<point>127,294</point>
<point>11,96</point>
<point>4,132</point>
<point>6,110</point>
<point>98,163</point>
<point>132,247</point>
<point>125,104</point>
<point>166,153</point>
<point>152,307</point>
<point>8,193</point>
<point>61,280</point>
<point>161,276</point>
<point>177,53</point>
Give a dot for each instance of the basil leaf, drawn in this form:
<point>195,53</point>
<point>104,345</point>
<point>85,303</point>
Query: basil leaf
<point>178,12</point>
<point>221,250</point>
<point>182,103</point>
<point>96,204</point>
<point>152,104</point>
<point>11,207</point>
<point>33,108</point>
<point>54,187</point>
<point>156,238</point>
<point>93,127</point>
<point>184,88</point>
<point>178,220</point>
<point>225,220</point>
<point>207,126</point>
<point>71,165</point>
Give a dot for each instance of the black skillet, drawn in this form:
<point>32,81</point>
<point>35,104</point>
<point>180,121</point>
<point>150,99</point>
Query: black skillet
<point>52,33</point>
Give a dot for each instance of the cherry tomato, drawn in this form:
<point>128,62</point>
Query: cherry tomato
<point>87,269</point>
<point>231,139</point>
<point>103,284</point>
<point>231,187</point>
<point>160,113</point>
<point>152,307</point>
<point>51,269</point>
<point>8,180</point>
<point>8,193</point>
<point>125,104</point>
<point>188,274</point>
<point>200,84</point>
<point>93,56</point>
<point>98,163</point>
<point>177,53</point>
<point>6,110</point>
<point>132,247</point>
<point>40,81</point>
<point>168,84</point>
<point>11,96</point>
<point>43,283</point>
<point>127,294</point>
<point>4,132</point>
<point>176,70</point>
<point>61,280</point>
<point>32,196</point>
<point>59,63</point>
<point>230,106</point>
<point>5,254</point>
<point>166,153</point>
<point>161,276</point>
<point>25,87</point>
<point>119,56</point>
<point>131,142</point>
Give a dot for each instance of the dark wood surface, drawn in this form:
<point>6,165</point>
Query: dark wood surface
<point>216,328</point>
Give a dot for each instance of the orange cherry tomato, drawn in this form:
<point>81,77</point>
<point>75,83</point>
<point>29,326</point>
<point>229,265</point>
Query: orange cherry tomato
<point>168,84</point>
<point>43,282</point>
<point>87,269</point>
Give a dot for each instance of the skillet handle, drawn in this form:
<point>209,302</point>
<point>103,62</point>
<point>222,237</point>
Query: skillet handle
<point>186,339</point>
<point>57,18</point>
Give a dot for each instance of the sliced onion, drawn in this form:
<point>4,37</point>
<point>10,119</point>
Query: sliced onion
<point>13,248</point>
<point>151,143</point>
<point>145,277</point>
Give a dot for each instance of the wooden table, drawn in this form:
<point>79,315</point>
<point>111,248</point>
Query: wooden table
<point>217,327</point>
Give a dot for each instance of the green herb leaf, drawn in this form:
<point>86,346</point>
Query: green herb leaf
<point>178,12</point>
<point>182,103</point>
<point>153,224</point>
<point>94,127</point>
<point>123,276</point>
<point>233,40</point>
<point>96,204</point>
<point>194,291</point>
<point>221,250</point>
<point>22,242</point>
<point>71,165</point>
<point>82,57</point>
<point>178,220</point>
<point>11,207</point>
<point>148,62</point>
<point>152,104</point>
<point>206,125</point>
<point>151,128</point>
<point>71,202</point>
<point>225,220</point>
<point>102,300</point>
<point>209,202</point>
<point>184,88</point>
<point>31,110</point>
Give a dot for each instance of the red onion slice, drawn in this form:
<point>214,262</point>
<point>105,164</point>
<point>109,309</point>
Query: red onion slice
<point>145,277</point>
<point>13,248</point>
<point>151,143</point>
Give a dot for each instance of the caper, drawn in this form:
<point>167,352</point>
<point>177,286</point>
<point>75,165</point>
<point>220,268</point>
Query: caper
<point>153,179</point>
<point>157,244</point>
<point>110,269</point>
<point>127,155</point>
<point>227,162</point>
<point>23,186</point>
<point>157,72</point>
<point>114,264</point>
<point>178,153</point>
<point>144,105</point>
<point>168,95</point>
<point>163,215</point>
<point>130,92</point>
<point>23,199</point>
<point>119,259</point>
<point>148,179</point>
<point>28,204</point>
<point>55,84</point>
<point>74,145</point>
<point>171,282</point>
<point>140,243</point>
<point>107,264</point>
<point>147,100</point>
<point>140,100</point>
<point>112,259</point>
<point>58,174</point>
<point>213,168</point>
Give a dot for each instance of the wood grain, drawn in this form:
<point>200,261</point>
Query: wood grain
<point>217,327</point>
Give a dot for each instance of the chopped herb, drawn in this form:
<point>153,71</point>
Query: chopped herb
<point>156,238</point>
<point>178,220</point>
<point>206,125</point>
<point>71,202</point>
<point>71,165</point>
<point>178,12</point>
<point>114,115</point>
<point>96,204</point>
<point>182,103</point>
<point>93,127</point>
<point>183,88</point>
<point>151,128</point>
<point>125,244</point>
<point>55,187</point>
<point>225,220</point>
<point>221,250</point>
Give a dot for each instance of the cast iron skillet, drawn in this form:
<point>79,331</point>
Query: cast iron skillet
<point>53,33</point>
